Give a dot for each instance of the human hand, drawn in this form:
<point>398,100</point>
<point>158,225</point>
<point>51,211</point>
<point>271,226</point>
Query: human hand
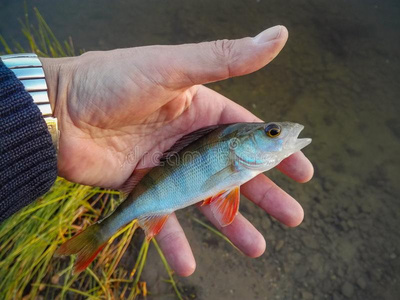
<point>115,108</point>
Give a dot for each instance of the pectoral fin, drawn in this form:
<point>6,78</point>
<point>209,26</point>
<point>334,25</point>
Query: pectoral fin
<point>152,225</point>
<point>224,205</point>
<point>218,177</point>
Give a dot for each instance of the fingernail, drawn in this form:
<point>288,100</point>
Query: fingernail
<point>268,35</point>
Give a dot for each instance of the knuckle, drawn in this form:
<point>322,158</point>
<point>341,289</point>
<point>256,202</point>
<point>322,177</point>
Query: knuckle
<point>223,48</point>
<point>171,237</point>
<point>224,51</point>
<point>89,53</point>
<point>265,199</point>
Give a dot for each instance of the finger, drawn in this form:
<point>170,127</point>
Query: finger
<point>276,202</point>
<point>191,64</point>
<point>240,232</point>
<point>223,110</point>
<point>298,167</point>
<point>176,248</point>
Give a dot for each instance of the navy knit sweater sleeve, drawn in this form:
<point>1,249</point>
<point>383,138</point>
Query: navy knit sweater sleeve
<point>28,163</point>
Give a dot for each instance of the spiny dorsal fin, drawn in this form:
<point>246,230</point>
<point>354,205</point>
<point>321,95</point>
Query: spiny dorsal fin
<point>184,141</point>
<point>187,140</point>
<point>224,205</point>
<point>132,181</point>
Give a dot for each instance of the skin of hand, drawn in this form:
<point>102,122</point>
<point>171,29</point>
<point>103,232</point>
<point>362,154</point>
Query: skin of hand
<point>117,108</point>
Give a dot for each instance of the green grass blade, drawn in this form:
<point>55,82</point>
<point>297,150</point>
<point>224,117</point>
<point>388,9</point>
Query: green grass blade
<point>213,230</point>
<point>169,270</point>
<point>7,48</point>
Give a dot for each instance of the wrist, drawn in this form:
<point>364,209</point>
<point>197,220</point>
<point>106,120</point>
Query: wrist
<point>57,78</point>
<point>29,70</point>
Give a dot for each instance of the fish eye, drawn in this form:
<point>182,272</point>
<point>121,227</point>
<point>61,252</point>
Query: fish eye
<point>273,130</point>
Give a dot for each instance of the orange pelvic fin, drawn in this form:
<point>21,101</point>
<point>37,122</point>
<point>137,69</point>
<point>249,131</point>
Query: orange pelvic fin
<point>86,244</point>
<point>212,198</point>
<point>152,224</point>
<point>224,205</point>
<point>132,181</point>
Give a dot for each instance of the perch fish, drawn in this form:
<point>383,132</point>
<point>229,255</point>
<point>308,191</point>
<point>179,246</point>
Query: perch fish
<point>207,165</point>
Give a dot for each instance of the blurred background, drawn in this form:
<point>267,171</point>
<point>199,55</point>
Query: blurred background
<point>339,76</point>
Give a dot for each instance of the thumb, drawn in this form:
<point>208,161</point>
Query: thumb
<point>201,63</point>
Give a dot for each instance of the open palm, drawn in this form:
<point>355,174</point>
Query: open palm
<point>118,109</point>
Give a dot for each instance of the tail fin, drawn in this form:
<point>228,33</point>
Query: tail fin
<point>86,244</point>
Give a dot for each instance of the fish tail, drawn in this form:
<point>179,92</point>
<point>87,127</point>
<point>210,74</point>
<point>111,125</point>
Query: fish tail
<point>86,244</point>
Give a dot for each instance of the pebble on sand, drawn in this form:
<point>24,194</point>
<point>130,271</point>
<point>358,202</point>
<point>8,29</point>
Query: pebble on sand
<point>347,289</point>
<point>279,245</point>
<point>310,242</point>
<point>305,295</point>
<point>361,283</point>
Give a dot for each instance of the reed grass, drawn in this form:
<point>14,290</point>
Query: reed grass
<point>29,238</point>
<point>216,232</point>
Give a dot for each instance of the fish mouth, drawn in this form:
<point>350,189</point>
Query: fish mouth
<point>301,143</point>
<point>297,143</point>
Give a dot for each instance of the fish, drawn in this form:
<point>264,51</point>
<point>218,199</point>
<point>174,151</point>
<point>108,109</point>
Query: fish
<point>207,166</point>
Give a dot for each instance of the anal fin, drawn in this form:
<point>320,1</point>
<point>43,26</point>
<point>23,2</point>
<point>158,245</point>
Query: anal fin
<point>224,205</point>
<point>152,225</point>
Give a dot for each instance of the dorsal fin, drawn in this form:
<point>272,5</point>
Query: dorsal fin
<point>132,181</point>
<point>187,140</point>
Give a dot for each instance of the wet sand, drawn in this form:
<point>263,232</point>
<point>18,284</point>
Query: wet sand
<point>338,76</point>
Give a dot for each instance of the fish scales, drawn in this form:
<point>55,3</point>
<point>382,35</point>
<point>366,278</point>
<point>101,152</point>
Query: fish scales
<point>211,168</point>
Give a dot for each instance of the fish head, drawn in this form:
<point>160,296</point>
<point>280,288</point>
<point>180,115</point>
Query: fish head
<point>264,145</point>
<point>280,137</point>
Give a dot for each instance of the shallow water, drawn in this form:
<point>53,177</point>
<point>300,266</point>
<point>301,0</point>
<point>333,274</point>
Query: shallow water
<point>338,76</point>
